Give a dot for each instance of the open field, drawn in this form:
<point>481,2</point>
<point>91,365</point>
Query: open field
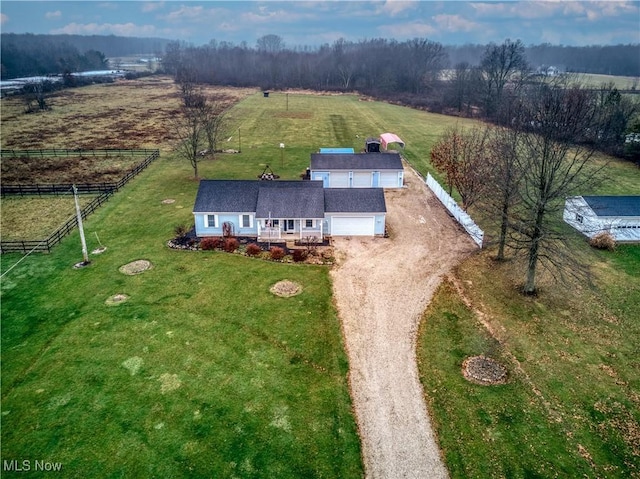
<point>124,114</point>
<point>33,218</point>
<point>67,169</point>
<point>620,82</point>
<point>202,373</point>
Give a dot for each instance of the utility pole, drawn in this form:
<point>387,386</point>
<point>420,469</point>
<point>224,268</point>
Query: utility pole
<point>85,255</point>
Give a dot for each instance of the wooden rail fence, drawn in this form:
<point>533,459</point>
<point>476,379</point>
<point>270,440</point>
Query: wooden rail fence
<point>105,191</point>
<point>83,188</point>
<point>45,245</point>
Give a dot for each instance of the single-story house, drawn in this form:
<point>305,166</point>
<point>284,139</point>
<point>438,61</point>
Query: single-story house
<point>358,170</point>
<point>617,215</point>
<point>280,210</point>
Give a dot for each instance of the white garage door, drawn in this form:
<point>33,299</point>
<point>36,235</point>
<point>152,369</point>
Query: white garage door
<point>353,226</point>
<point>339,179</point>
<point>362,179</point>
<point>389,179</point>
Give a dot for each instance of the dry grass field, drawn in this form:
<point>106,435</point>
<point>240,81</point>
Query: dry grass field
<point>35,218</point>
<point>66,169</point>
<point>101,116</point>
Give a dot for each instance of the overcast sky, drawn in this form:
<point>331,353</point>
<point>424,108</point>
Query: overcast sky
<point>316,22</point>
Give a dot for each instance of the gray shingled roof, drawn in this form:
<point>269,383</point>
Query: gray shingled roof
<point>356,161</point>
<point>290,199</point>
<point>614,205</point>
<point>226,196</point>
<point>354,200</point>
<point>285,199</point>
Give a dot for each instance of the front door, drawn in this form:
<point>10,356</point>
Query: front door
<point>288,225</point>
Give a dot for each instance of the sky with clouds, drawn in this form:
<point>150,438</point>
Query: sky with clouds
<point>312,23</point>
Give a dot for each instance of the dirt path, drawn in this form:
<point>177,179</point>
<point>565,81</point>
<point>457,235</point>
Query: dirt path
<point>382,287</point>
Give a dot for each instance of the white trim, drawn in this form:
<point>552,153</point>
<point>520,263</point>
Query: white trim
<point>206,220</point>
<point>241,220</point>
<point>355,222</point>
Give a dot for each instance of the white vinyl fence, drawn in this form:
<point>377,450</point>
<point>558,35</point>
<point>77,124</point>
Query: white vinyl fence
<point>461,216</point>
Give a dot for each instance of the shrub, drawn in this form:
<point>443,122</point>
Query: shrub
<point>181,231</point>
<point>208,244</point>
<point>604,241</point>
<point>253,249</point>
<point>230,245</point>
<point>276,253</point>
<point>299,255</point>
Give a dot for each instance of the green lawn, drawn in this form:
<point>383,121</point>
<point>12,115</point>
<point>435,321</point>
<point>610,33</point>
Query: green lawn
<point>570,408</point>
<point>200,373</point>
<point>34,217</point>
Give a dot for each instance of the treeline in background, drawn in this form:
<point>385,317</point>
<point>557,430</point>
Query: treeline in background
<point>25,55</point>
<point>481,81</point>
<point>30,54</point>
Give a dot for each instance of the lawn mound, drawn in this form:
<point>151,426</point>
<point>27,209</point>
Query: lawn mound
<point>484,371</point>
<point>286,288</point>
<point>135,267</point>
<point>116,299</point>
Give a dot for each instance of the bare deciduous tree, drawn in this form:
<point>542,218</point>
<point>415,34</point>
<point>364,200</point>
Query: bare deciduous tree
<point>214,122</point>
<point>500,65</point>
<point>35,96</point>
<point>461,156</point>
<point>503,179</point>
<point>188,129</point>
<point>554,159</point>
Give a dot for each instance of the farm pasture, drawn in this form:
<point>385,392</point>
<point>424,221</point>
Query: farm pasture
<point>33,217</point>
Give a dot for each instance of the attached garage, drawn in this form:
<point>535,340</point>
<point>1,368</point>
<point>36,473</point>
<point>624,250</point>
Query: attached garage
<point>339,179</point>
<point>355,211</point>
<point>391,179</point>
<point>353,225</point>
<point>362,179</point>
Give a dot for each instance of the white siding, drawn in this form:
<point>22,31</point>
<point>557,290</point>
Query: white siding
<point>353,225</point>
<point>339,179</point>
<point>389,179</point>
<point>362,179</point>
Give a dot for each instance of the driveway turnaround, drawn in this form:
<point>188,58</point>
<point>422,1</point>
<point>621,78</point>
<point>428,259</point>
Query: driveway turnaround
<point>382,286</point>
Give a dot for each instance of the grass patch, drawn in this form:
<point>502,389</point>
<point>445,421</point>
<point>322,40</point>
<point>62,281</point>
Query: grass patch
<point>67,169</point>
<point>596,80</point>
<point>32,217</point>
<point>571,407</point>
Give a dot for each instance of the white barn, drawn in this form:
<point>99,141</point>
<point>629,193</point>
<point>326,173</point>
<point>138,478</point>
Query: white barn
<point>617,215</point>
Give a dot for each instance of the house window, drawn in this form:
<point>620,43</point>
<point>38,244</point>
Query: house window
<point>579,218</point>
<point>308,224</point>
<point>246,221</point>
<point>211,221</point>
<point>275,222</point>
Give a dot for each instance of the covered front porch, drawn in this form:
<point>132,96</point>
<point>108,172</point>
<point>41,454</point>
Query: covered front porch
<point>288,229</point>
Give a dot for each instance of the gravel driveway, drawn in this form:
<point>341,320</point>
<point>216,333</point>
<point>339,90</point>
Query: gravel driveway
<point>382,287</point>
